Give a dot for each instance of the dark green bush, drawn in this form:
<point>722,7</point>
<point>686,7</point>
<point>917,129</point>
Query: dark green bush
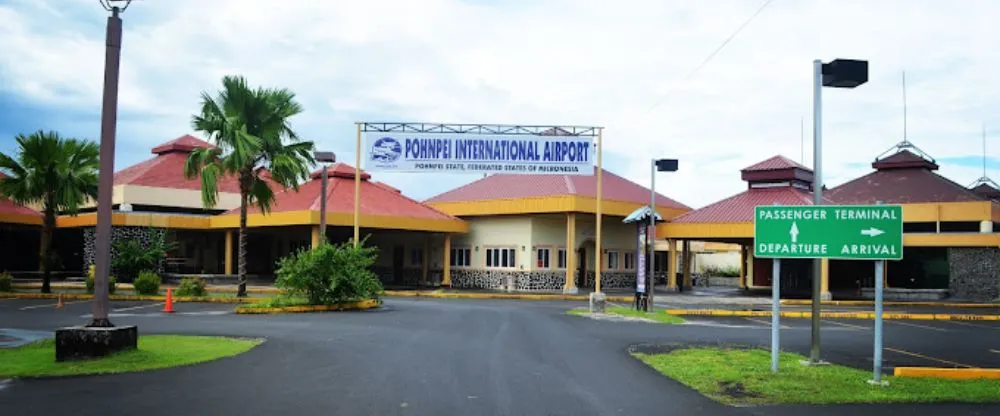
<point>132,257</point>
<point>330,274</point>
<point>6,282</point>
<point>148,283</point>
<point>112,284</point>
<point>191,286</point>
<point>718,271</point>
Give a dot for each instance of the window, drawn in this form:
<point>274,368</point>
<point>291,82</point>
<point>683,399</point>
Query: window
<point>629,260</point>
<point>500,257</point>
<point>542,257</point>
<point>561,262</point>
<point>613,260</point>
<point>461,257</point>
<point>416,257</point>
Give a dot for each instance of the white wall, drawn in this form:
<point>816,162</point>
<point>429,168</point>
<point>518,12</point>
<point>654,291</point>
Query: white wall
<point>497,232</point>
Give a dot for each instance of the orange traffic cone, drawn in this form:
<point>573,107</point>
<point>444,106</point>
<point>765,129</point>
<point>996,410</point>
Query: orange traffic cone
<point>60,304</point>
<point>168,306</point>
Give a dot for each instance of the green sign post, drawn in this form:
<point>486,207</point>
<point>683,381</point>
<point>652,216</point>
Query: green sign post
<point>852,232</point>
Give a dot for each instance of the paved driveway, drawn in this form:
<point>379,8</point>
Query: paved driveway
<point>412,357</point>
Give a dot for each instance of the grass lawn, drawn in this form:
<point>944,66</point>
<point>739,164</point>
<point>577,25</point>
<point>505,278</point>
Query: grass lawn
<point>743,376</point>
<point>631,312</point>
<point>155,351</point>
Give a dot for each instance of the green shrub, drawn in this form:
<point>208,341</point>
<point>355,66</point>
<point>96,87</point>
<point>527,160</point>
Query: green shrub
<point>718,271</point>
<point>191,286</point>
<point>132,257</point>
<point>330,274</point>
<point>6,281</point>
<point>148,283</point>
<point>112,284</point>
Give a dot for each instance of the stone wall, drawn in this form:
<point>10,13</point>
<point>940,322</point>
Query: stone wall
<point>520,281</point>
<point>144,234</point>
<point>974,273</point>
<point>612,280</point>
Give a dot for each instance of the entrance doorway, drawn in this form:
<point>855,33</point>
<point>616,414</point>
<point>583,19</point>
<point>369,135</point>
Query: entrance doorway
<point>581,267</point>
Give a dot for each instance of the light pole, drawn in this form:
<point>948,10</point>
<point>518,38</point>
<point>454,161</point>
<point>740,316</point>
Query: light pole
<point>840,73</point>
<point>325,158</point>
<point>657,165</point>
<point>109,118</point>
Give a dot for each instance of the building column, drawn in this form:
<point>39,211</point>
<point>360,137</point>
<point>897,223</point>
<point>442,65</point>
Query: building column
<point>885,274</point>
<point>446,275</point>
<point>824,280</point>
<point>315,236</point>
<point>672,266</point>
<point>687,264</point>
<point>228,262</point>
<point>570,285</point>
<point>749,266</point>
<point>743,267</point>
<point>424,260</point>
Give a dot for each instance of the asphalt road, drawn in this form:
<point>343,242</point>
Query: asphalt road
<point>429,357</point>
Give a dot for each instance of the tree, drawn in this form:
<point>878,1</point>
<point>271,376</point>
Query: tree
<point>58,173</point>
<point>255,143</point>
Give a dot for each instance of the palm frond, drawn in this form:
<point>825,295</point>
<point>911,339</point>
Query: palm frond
<point>261,195</point>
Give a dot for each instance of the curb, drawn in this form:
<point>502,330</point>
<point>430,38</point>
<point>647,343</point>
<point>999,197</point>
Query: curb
<point>836,315</point>
<point>128,286</point>
<point>349,306</point>
<point>804,302</point>
<point>948,373</point>
<point>54,296</point>
<point>524,296</point>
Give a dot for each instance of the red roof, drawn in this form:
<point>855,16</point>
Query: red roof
<point>376,199</point>
<point>8,207</point>
<point>775,163</point>
<point>900,179</point>
<point>740,207</point>
<point>505,186</point>
<point>166,170</point>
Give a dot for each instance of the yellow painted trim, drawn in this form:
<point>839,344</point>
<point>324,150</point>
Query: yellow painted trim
<point>948,211</point>
<point>138,220</point>
<point>20,219</point>
<point>546,204</point>
<point>342,219</point>
<point>948,373</point>
<point>834,315</point>
<point>517,296</point>
<point>347,306</point>
<point>686,230</point>
<point>805,302</point>
<point>952,240</point>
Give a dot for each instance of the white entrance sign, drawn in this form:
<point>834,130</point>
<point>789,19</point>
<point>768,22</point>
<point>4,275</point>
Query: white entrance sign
<point>479,153</point>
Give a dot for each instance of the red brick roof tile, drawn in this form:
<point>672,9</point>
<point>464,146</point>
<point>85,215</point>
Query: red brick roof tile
<point>902,178</point>
<point>775,163</point>
<point>8,207</point>
<point>166,170</point>
<point>740,207</point>
<point>504,186</point>
<point>376,199</point>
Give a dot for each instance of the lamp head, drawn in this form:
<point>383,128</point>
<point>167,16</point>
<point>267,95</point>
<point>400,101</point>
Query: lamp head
<point>325,157</point>
<point>666,165</point>
<point>845,73</point>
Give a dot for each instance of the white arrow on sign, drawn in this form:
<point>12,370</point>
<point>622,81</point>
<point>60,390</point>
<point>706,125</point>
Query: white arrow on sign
<point>872,232</point>
<point>794,232</point>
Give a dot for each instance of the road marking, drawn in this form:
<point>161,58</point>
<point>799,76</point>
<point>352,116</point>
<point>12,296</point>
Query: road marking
<point>995,351</point>
<point>864,328</point>
<point>913,354</point>
<point>972,325</point>
<point>51,305</point>
<point>760,321</point>
<point>917,326</point>
<point>136,307</point>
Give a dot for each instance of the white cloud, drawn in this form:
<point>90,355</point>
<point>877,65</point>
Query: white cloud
<point>560,61</point>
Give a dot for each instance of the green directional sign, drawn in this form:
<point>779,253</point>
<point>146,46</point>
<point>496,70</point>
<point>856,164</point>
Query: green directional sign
<point>854,232</point>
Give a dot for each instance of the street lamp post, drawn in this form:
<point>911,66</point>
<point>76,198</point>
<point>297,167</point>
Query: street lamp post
<point>839,73</point>
<point>109,118</point>
<point>325,158</point>
<point>657,165</point>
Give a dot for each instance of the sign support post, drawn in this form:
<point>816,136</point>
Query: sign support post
<point>877,356</point>
<point>775,312</point>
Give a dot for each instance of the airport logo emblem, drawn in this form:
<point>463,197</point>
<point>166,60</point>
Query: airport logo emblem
<point>386,150</point>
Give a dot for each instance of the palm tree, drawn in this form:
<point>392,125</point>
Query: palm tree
<point>58,173</point>
<point>250,129</point>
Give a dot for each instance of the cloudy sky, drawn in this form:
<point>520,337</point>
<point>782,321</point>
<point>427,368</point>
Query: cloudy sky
<point>636,67</point>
